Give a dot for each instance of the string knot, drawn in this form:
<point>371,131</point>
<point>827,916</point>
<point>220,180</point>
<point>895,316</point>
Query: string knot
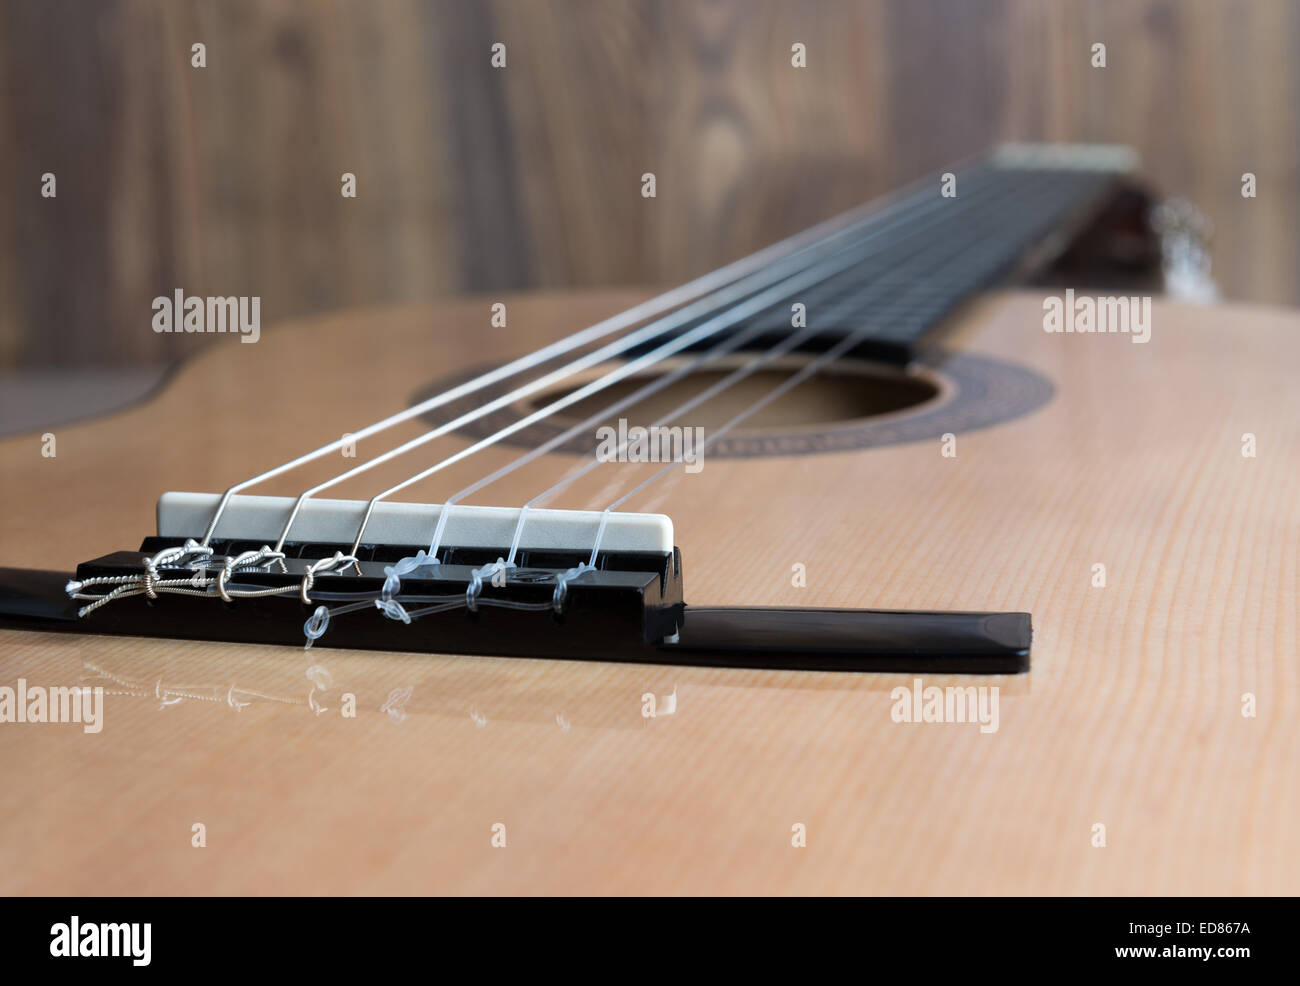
<point>393,610</point>
<point>323,565</point>
<point>488,571</point>
<point>562,580</point>
<point>173,557</point>
<point>316,626</point>
<point>405,566</point>
<point>248,559</point>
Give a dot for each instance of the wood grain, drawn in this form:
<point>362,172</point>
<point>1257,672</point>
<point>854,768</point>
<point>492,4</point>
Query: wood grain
<point>225,180</point>
<point>1131,716</point>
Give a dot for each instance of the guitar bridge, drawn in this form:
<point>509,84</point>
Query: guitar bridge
<point>540,596</point>
<point>622,609</point>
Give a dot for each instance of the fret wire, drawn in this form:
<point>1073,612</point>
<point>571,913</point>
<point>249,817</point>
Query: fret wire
<point>710,326</point>
<point>779,349</point>
<point>756,303</point>
<point>812,239</point>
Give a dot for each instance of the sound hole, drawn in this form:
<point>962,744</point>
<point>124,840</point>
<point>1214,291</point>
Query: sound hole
<point>847,392</point>
<point>854,404</point>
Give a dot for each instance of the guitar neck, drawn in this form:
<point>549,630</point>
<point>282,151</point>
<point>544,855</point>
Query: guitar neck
<point>895,276</point>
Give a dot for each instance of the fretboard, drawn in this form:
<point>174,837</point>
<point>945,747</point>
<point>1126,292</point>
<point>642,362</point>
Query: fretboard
<point>932,249</point>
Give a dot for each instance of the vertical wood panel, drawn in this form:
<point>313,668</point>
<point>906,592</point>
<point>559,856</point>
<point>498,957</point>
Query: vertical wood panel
<point>225,180</point>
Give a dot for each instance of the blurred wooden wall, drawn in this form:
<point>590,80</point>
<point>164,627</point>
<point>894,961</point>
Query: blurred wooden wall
<point>225,180</point>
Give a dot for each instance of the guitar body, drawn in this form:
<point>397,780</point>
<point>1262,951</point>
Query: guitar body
<point>1161,703</point>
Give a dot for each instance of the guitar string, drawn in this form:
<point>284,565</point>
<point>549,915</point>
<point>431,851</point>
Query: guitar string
<point>151,582</point>
<point>221,582</point>
<point>393,604</point>
<point>883,287</point>
<point>842,260</point>
<point>729,345</point>
<point>816,238</point>
<point>711,327</point>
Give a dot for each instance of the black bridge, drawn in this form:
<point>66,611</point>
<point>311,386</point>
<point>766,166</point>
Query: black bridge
<point>630,608</point>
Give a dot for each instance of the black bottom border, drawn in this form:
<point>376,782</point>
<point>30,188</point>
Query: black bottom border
<point>381,937</point>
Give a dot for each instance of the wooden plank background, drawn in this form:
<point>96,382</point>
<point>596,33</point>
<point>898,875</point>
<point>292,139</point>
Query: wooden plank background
<point>225,180</point>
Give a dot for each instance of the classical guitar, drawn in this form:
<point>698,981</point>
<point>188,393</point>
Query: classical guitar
<point>929,550</point>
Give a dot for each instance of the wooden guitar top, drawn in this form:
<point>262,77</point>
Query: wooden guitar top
<point>1162,705</point>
